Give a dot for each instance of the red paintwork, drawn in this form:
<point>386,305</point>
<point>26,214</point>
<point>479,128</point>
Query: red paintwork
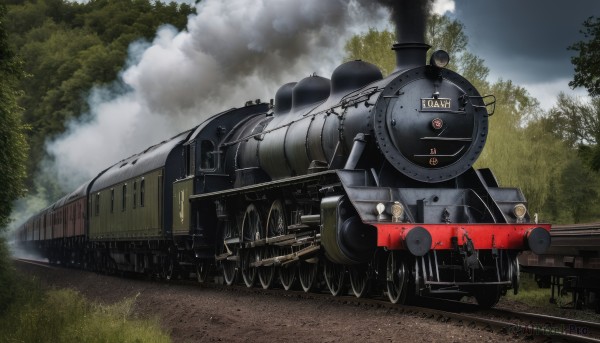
<point>484,236</point>
<point>57,225</point>
<point>75,215</point>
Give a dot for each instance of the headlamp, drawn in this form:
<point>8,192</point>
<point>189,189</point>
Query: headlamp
<point>519,211</point>
<point>397,211</point>
<point>439,59</point>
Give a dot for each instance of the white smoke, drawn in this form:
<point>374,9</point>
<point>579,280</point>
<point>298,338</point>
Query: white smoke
<point>231,52</point>
<point>441,7</point>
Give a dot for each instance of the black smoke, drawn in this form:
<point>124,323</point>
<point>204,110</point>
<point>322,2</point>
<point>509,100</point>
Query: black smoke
<point>409,17</point>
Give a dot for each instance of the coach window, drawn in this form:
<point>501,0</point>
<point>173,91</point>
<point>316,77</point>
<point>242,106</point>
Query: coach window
<point>142,192</point>
<point>124,202</point>
<point>134,194</point>
<point>97,204</point>
<point>112,200</point>
<point>207,157</point>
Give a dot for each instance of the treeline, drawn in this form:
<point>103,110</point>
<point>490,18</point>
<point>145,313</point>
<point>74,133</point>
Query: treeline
<point>548,154</point>
<point>67,48</point>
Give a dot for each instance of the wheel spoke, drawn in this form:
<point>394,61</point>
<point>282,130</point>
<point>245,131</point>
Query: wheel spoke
<point>277,226</point>
<point>251,228</point>
<point>228,267</point>
<point>359,280</point>
<point>266,274</point>
<point>397,278</point>
<point>334,277</point>
<point>307,273</point>
<point>287,276</point>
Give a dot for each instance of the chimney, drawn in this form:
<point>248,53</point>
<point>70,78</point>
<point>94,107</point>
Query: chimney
<point>410,19</point>
<point>410,55</point>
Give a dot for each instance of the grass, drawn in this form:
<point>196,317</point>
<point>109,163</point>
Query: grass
<point>66,316</point>
<point>531,294</point>
<point>29,313</point>
<point>539,298</point>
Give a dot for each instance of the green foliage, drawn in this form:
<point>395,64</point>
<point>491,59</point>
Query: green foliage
<point>30,314</point>
<point>587,63</point>
<point>577,187</point>
<point>13,153</point>
<point>512,151</point>
<point>65,316</point>
<point>577,122</point>
<point>8,290</point>
<point>373,47</point>
<point>69,48</point>
<point>579,125</point>
<point>538,298</point>
<point>442,33</point>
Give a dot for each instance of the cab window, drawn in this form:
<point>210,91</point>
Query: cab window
<point>207,155</point>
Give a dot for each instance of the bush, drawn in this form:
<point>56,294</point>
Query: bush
<point>65,316</point>
<point>30,314</point>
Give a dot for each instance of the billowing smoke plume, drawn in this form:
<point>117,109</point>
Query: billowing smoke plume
<point>409,17</point>
<point>231,52</point>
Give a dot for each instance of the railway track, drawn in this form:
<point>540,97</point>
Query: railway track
<point>518,325</point>
<point>37,263</point>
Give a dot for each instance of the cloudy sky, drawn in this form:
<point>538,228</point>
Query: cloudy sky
<point>523,40</point>
<point>526,40</point>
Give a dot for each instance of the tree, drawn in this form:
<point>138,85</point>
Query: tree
<point>578,123</point>
<point>373,47</point>
<point>13,153</point>
<point>68,48</point>
<point>587,63</point>
<point>441,33</point>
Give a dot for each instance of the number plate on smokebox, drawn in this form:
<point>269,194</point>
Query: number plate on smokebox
<point>428,104</point>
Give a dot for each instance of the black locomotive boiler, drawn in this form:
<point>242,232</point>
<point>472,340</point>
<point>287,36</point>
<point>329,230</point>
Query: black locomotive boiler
<point>359,178</point>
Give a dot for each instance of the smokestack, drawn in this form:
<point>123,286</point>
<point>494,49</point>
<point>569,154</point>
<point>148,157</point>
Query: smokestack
<point>410,55</point>
<point>410,18</point>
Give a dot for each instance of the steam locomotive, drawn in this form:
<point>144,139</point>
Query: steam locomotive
<point>359,178</point>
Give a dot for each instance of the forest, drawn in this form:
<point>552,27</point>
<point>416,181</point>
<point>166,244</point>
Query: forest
<point>59,50</point>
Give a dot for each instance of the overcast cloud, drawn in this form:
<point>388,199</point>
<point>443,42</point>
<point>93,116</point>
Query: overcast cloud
<point>526,40</point>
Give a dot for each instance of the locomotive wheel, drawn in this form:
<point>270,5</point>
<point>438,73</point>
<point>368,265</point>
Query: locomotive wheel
<point>266,274</point>
<point>515,275</point>
<point>487,296</point>
<point>397,278</point>
<point>202,269</point>
<point>307,273</point>
<point>287,276</point>
<point>248,273</point>
<point>359,280</point>
<point>334,277</point>
<point>229,267</point>
<point>276,226</point>
<point>251,230</point>
<point>229,272</point>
